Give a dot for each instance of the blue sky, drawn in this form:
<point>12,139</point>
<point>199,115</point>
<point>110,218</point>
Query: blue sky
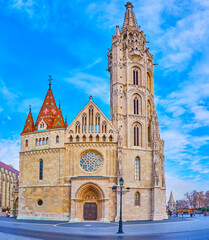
<point>70,40</point>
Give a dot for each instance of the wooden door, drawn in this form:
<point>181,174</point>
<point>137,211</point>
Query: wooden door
<point>90,211</point>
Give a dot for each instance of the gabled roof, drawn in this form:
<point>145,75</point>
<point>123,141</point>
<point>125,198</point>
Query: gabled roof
<point>48,111</point>
<point>29,124</point>
<point>92,103</point>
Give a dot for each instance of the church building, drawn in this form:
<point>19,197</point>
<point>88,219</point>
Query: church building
<point>67,171</point>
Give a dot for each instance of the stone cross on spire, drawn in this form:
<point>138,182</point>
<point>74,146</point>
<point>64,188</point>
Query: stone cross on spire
<point>50,80</point>
<point>130,19</point>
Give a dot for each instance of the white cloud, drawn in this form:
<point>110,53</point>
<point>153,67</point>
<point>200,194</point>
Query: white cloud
<point>9,153</point>
<point>98,60</point>
<point>90,84</point>
<point>179,186</point>
<point>27,6</point>
<point>35,103</point>
<point>7,94</point>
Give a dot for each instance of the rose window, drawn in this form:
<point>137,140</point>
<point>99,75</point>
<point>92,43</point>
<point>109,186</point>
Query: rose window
<point>90,161</point>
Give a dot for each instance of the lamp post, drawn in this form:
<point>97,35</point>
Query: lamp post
<point>120,229</point>
<point>121,192</point>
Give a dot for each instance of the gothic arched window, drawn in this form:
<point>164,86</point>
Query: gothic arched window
<point>110,138</point>
<point>149,109</point>
<point>84,123</point>
<point>149,82</point>
<point>91,113</point>
<point>137,76</point>
<point>36,141</point>
<point>90,138</point>
<point>40,142</point>
<point>104,138</point>
<point>57,139</point>
<point>137,199</point>
<point>77,138</point>
<point>26,142</point>
<point>47,140</point>
<point>104,127</point>
<point>44,142</point>
<point>136,136</point>
<point>149,134</point>
<point>137,168</point>
<point>97,123</point>
<point>136,106</point>
<point>77,127</point>
<point>70,139</point>
<point>41,170</point>
<point>84,138</point>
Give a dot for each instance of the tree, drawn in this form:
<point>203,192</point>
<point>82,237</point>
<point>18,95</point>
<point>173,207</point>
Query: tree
<point>181,204</point>
<point>207,198</point>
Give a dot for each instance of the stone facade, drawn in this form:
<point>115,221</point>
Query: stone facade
<point>9,178</point>
<point>67,172</point>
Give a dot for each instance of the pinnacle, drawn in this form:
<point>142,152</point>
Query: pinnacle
<point>29,124</point>
<point>130,19</point>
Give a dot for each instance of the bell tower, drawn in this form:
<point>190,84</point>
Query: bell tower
<point>131,72</point>
<point>141,150</point>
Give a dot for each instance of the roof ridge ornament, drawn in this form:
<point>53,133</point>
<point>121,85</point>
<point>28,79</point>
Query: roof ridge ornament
<point>90,97</point>
<point>50,80</point>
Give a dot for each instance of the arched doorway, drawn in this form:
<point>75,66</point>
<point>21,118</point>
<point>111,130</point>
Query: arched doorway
<point>90,202</point>
<point>90,206</point>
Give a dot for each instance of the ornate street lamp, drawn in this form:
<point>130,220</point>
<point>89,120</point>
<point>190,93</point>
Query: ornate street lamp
<point>121,191</point>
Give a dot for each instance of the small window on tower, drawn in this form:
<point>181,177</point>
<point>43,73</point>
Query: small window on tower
<point>26,143</point>
<point>57,139</point>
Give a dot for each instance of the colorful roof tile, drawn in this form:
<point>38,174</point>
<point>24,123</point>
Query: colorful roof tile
<point>48,111</point>
<point>29,124</point>
<point>59,121</point>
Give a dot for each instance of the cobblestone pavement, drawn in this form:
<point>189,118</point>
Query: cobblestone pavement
<point>174,228</point>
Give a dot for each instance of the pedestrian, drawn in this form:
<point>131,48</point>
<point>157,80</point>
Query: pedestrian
<point>190,213</point>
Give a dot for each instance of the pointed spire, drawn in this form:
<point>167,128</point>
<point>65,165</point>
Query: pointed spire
<point>65,121</point>
<point>171,199</point>
<point>29,124</point>
<point>130,19</point>
<point>48,110</point>
<point>59,104</point>
<point>90,97</point>
<point>117,31</point>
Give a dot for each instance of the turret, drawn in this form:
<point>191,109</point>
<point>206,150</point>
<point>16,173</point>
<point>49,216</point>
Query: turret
<point>29,124</point>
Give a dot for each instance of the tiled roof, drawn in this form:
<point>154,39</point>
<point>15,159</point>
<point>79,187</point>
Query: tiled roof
<point>29,124</point>
<point>7,167</point>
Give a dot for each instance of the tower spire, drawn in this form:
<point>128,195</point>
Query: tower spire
<point>50,81</point>
<point>130,19</point>
<point>29,108</point>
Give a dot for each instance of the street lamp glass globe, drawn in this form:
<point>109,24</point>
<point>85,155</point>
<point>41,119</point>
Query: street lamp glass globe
<point>121,181</point>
